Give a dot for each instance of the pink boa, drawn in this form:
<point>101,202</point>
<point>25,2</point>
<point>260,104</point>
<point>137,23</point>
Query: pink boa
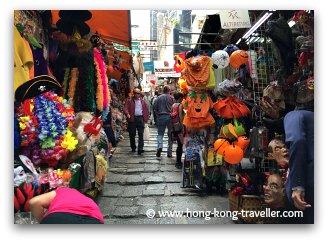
<point>101,74</point>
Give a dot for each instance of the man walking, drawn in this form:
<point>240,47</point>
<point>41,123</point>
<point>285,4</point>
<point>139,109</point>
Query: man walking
<point>136,112</point>
<point>163,107</point>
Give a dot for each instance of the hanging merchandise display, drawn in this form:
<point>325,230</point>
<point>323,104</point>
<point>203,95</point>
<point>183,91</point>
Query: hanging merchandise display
<point>238,58</point>
<point>221,59</point>
<point>197,106</point>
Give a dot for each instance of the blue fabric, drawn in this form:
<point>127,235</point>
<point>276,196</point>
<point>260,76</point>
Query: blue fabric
<point>299,131</point>
<point>163,122</point>
<point>16,133</point>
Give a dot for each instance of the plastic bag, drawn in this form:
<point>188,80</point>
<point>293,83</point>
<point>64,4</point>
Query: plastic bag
<point>146,133</point>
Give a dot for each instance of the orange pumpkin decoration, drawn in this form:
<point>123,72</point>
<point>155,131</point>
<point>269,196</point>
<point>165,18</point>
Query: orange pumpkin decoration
<point>238,58</point>
<point>220,144</point>
<point>233,154</point>
<point>242,142</point>
<point>197,106</point>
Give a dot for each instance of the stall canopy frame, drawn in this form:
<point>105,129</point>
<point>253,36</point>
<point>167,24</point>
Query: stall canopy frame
<point>111,25</point>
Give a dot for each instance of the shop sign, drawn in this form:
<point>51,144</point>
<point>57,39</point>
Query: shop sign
<point>148,45</point>
<point>149,66</point>
<point>135,46</point>
<point>166,72</point>
<point>234,19</point>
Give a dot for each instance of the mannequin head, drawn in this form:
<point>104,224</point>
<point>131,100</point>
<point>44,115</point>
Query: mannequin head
<point>278,151</point>
<point>275,192</point>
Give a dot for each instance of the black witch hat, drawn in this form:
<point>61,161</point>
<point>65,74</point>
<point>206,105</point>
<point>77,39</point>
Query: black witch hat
<point>74,20</point>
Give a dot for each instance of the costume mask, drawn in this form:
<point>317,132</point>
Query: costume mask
<point>274,191</point>
<point>279,152</point>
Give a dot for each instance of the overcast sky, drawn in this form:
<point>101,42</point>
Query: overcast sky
<point>140,18</point>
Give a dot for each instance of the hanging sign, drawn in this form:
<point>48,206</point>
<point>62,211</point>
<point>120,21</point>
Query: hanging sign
<point>234,19</point>
<point>148,45</point>
<point>149,66</point>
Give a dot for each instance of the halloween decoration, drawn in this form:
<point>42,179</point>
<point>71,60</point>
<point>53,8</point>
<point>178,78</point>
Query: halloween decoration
<point>238,57</point>
<point>197,106</point>
<point>220,59</point>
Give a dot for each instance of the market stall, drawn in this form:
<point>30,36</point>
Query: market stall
<point>62,98</point>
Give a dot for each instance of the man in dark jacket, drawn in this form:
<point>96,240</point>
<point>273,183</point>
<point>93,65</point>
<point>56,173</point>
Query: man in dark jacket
<point>299,131</point>
<point>136,113</point>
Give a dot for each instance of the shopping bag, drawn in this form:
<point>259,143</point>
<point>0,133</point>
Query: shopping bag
<point>146,133</point>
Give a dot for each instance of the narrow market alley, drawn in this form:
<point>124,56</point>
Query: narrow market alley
<point>137,183</point>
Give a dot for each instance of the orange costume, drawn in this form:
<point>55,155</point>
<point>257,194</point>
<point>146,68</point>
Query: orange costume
<point>197,106</point>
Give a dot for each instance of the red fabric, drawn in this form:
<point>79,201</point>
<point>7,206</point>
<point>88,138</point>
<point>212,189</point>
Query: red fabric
<point>112,25</point>
<point>69,200</point>
<point>129,108</point>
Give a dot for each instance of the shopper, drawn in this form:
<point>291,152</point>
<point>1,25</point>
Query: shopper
<point>65,206</point>
<point>136,113</point>
<point>153,101</point>
<point>163,107</point>
<point>147,98</point>
<point>109,130</point>
<point>177,132</point>
<point>299,131</point>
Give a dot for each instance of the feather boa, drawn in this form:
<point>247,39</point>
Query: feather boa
<point>72,83</point>
<point>103,96</point>
<point>66,76</point>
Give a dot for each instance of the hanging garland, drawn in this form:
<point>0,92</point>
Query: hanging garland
<point>72,84</point>
<point>45,123</point>
<point>103,96</point>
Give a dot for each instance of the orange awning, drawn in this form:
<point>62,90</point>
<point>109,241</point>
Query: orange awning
<point>111,25</point>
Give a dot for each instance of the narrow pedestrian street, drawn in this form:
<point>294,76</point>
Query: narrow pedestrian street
<point>136,183</point>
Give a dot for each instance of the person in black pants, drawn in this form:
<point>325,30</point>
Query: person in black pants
<point>178,128</point>
<point>136,113</point>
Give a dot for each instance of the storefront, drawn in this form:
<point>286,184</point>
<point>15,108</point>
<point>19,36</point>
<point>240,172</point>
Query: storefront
<point>69,80</point>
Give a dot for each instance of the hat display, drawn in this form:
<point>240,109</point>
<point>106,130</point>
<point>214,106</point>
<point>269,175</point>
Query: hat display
<point>74,20</point>
<point>36,86</point>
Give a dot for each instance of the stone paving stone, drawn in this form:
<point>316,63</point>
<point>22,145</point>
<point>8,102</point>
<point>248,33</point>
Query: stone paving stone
<point>165,221</point>
<point>189,205</point>
<point>125,201</point>
<point>156,187</point>
<point>130,221</point>
<point>115,178</point>
<point>117,169</point>
<point>167,207</point>
<point>172,176</point>
<point>153,193</point>
<point>166,200</point>
<point>143,210</point>
<point>113,190</point>
<point>146,175</point>
<point>133,191</point>
<point>148,161</point>
<point>135,170</point>
<point>125,212</point>
<point>176,189</point>
<point>168,168</point>
<point>212,220</point>
<point>151,168</point>
<point>154,179</point>
<point>134,179</point>
<point>106,205</point>
<point>181,220</point>
<point>146,201</point>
